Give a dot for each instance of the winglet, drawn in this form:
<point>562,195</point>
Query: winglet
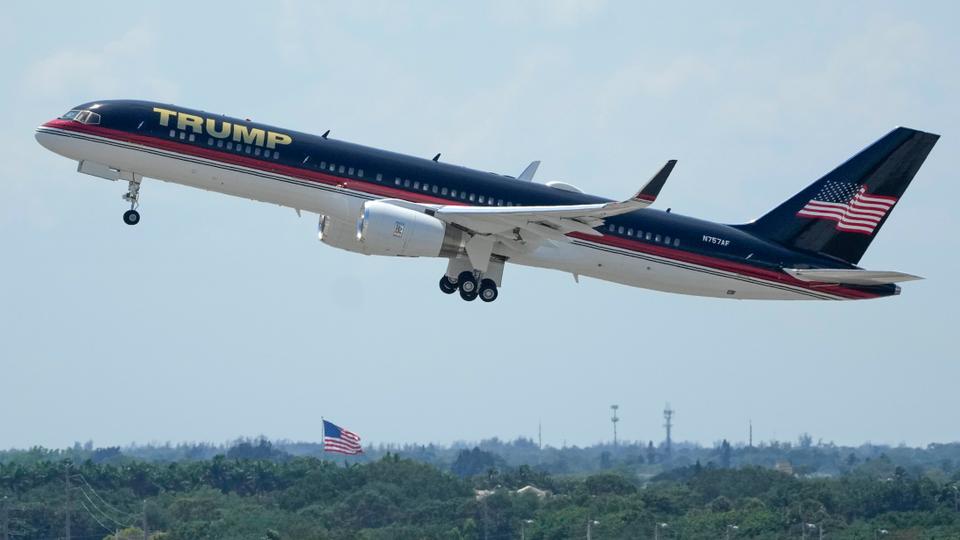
<point>649,192</point>
<point>527,174</point>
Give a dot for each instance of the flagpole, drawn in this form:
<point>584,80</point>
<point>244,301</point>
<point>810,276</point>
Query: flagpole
<point>323,438</point>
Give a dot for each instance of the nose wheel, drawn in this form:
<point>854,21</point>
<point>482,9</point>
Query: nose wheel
<point>131,217</point>
<point>132,196</point>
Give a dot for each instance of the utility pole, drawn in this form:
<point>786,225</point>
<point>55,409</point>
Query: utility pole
<point>751,433</point>
<point>66,479</point>
<point>4,519</point>
<point>614,419</point>
<point>590,524</point>
<point>668,423</point>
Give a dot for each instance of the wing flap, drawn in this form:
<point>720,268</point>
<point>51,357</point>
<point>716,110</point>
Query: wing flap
<point>850,276</point>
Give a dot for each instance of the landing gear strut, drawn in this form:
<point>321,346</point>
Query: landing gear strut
<point>131,216</point>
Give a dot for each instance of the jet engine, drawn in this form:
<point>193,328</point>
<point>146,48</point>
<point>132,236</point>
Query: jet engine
<point>339,234</point>
<point>388,229</point>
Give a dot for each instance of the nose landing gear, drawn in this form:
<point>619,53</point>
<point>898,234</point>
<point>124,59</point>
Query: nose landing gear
<point>131,216</point>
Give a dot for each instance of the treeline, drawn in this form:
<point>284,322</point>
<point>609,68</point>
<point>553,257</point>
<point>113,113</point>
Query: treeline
<point>398,498</point>
<point>804,457</point>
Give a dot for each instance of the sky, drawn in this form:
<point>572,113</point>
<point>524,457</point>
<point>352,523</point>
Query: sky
<point>219,317</point>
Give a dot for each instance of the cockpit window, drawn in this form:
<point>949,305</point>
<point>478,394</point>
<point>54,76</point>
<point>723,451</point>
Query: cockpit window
<point>84,117</point>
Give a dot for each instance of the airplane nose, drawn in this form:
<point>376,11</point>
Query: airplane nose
<point>51,141</point>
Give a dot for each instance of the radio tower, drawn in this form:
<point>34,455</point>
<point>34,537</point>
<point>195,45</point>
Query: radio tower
<point>614,419</point>
<point>668,423</point>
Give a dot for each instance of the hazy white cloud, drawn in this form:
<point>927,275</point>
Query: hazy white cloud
<point>121,67</point>
<point>551,12</point>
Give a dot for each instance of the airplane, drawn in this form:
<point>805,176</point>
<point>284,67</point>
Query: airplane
<point>376,202</point>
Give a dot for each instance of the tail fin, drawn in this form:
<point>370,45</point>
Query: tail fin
<point>841,213</point>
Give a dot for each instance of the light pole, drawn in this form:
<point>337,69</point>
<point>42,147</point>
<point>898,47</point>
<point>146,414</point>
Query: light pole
<point>523,524</point>
<point>657,528</point>
<point>590,524</point>
<point>879,533</point>
<point>731,528</point>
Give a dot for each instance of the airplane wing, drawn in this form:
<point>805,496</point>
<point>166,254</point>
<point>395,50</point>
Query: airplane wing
<point>551,221</point>
<point>849,276</point>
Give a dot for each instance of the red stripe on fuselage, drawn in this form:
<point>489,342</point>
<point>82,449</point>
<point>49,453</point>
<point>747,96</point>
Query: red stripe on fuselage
<point>381,190</point>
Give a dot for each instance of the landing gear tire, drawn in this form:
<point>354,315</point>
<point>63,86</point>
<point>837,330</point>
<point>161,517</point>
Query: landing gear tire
<point>447,286</point>
<point>131,217</point>
<point>488,290</point>
<point>468,286</point>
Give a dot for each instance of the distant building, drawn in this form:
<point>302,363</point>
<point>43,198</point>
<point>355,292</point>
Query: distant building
<point>530,489</point>
<point>784,466</point>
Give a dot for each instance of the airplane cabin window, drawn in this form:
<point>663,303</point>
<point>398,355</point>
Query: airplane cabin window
<point>406,183</point>
<point>620,229</point>
<point>247,150</point>
<point>379,177</point>
<point>350,171</point>
<point>229,145</point>
<point>649,236</point>
<point>276,155</point>
<point>416,185</point>
<point>629,232</point>
<point>473,197</point>
<point>192,137</point>
<point>266,153</point>
<point>333,167</point>
<point>453,193</point>
<point>676,242</point>
<point>183,135</point>
<point>397,181</point>
<point>666,240</point>
<point>656,238</point>
<point>209,141</point>
<point>481,199</point>
<point>499,202</point>
<point>443,191</point>
<point>256,151</point>
<point>220,143</point>
<point>323,164</point>
<point>434,188</point>
<point>612,227</point>
<point>341,169</point>
<point>360,173</point>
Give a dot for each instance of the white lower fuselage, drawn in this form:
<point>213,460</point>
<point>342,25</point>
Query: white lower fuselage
<point>344,202</point>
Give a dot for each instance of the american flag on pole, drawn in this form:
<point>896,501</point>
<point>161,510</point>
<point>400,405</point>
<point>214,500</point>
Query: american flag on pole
<point>339,440</point>
<point>850,206</point>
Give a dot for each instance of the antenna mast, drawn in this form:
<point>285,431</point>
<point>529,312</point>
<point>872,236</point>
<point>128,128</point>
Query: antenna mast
<point>614,419</point>
<point>668,423</point>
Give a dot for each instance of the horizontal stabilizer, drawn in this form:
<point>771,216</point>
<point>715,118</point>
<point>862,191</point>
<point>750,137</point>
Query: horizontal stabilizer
<point>849,277</point>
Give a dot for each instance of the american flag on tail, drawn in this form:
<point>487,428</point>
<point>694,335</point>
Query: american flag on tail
<point>850,206</point>
<point>339,440</point>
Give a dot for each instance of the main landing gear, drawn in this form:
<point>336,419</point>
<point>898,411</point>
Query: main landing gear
<point>471,284</point>
<point>131,216</point>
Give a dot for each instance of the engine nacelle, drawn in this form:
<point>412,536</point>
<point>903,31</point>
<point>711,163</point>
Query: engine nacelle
<point>339,234</point>
<point>388,229</point>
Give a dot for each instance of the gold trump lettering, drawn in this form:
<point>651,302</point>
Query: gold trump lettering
<point>226,130</point>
